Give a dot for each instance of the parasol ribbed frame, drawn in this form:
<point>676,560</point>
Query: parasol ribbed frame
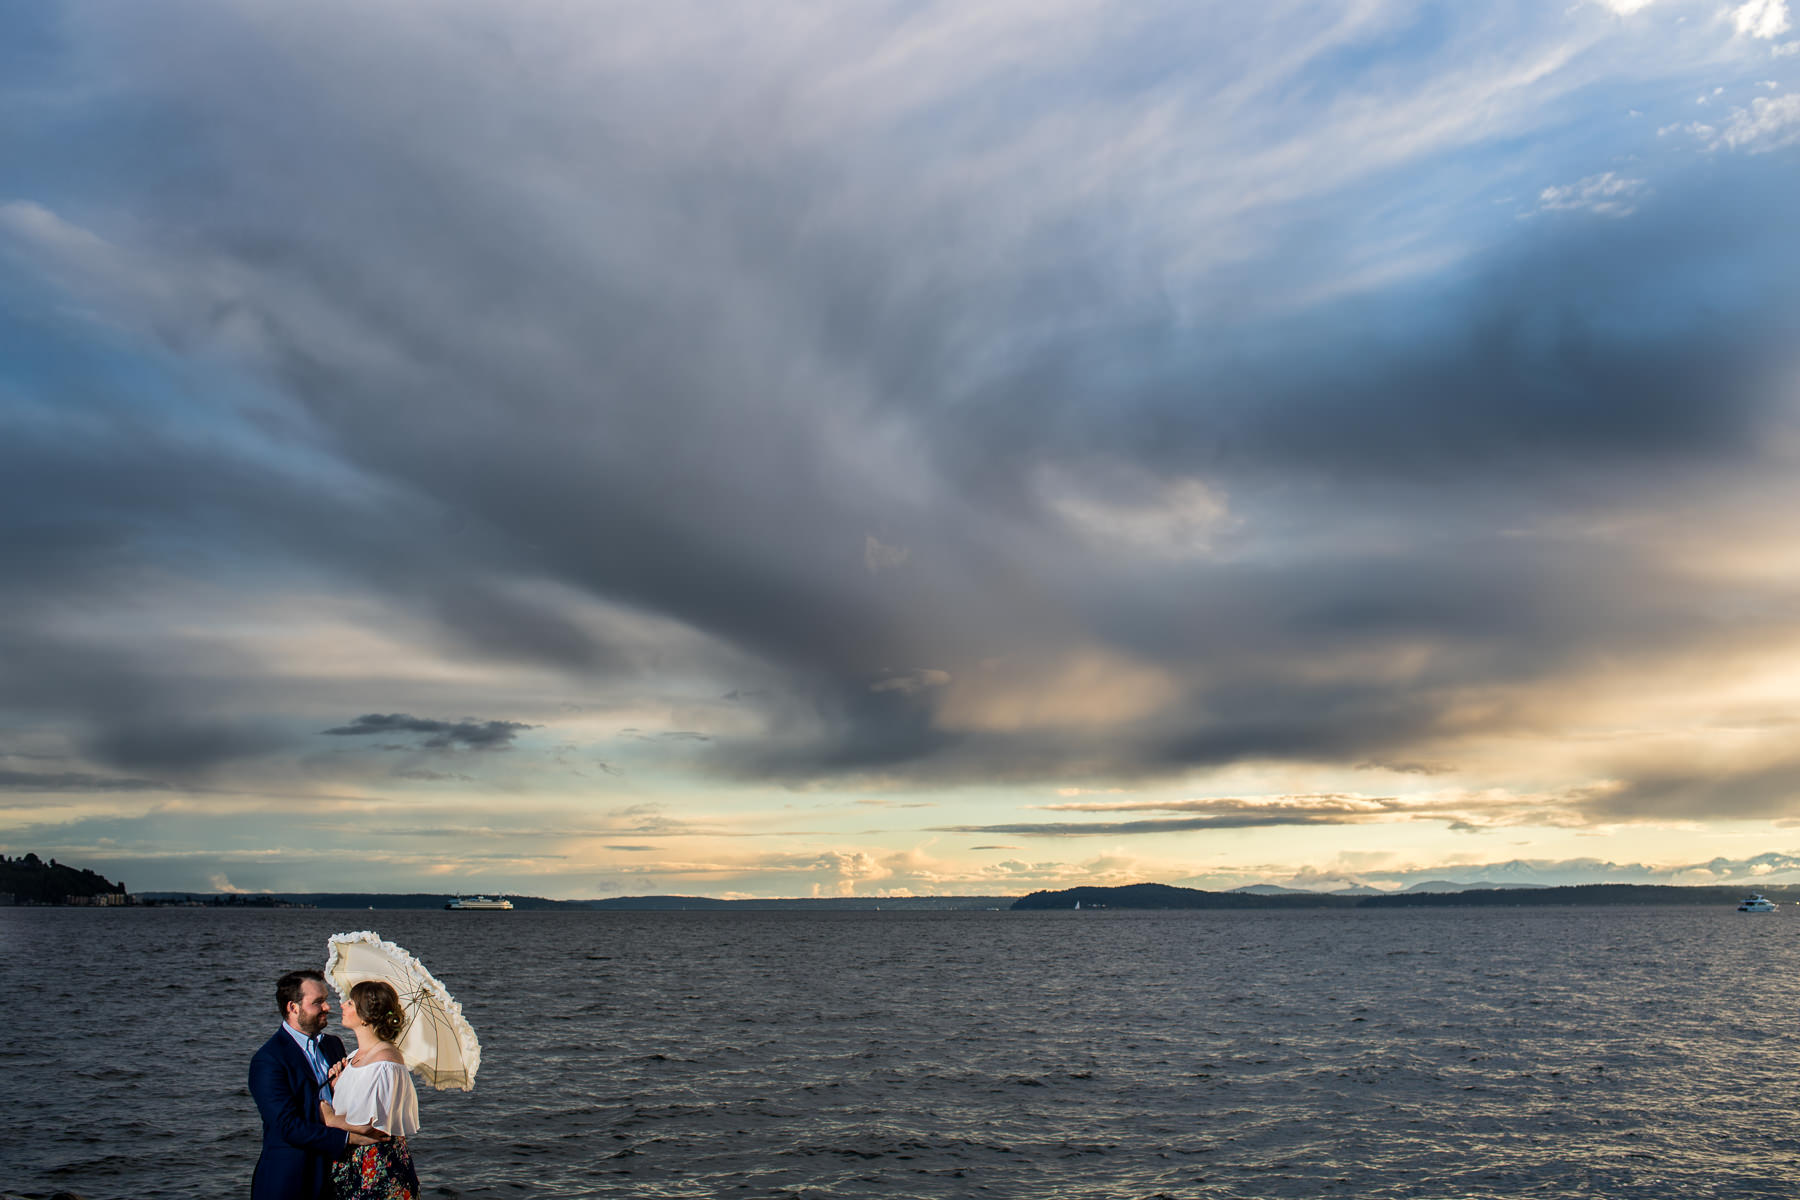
<point>428,985</point>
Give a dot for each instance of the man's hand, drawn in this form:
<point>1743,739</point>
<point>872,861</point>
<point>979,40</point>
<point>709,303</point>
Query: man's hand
<point>365,1135</point>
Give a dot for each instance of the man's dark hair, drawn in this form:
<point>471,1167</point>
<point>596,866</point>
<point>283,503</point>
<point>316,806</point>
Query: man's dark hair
<point>288,988</point>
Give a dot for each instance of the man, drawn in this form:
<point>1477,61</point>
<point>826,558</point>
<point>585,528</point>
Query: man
<point>288,1078</point>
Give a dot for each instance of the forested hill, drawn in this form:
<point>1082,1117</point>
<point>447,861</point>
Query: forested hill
<point>30,880</point>
<point>1166,896</point>
<point>1163,895</point>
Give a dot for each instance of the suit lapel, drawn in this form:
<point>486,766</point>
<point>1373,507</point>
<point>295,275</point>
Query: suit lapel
<point>301,1071</point>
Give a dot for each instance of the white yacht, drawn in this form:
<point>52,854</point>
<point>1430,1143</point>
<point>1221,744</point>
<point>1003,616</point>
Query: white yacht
<point>462,903</point>
<point>1756,902</point>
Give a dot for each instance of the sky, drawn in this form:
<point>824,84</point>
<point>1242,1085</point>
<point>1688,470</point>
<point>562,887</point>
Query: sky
<point>876,448</point>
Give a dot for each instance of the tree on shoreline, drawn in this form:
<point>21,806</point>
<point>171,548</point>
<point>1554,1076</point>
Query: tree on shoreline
<point>31,880</point>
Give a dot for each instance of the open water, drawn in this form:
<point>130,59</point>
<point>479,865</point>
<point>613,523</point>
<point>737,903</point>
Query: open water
<point>1425,1053</point>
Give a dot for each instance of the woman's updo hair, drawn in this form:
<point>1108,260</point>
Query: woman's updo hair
<point>378,1004</point>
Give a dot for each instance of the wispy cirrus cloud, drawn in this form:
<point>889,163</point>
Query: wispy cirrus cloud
<point>1607,195</point>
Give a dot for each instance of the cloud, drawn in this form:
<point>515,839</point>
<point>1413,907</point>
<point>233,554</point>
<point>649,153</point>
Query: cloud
<point>1762,18</point>
<point>911,683</point>
<point>75,781</point>
<point>1122,510</point>
<point>1407,768</point>
<point>1608,195</point>
<point>1245,819</point>
<point>82,262</point>
<point>878,557</point>
<point>442,735</point>
<point>1458,810</point>
<point>1469,811</point>
<point>1712,786</point>
<point>1768,867</point>
<point>182,746</point>
<point>423,775</point>
<point>1770,123</point>
<point>1349,805</point>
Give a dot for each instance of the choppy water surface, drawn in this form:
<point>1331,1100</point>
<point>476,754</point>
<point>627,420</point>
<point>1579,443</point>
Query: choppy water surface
<point>1435,1053</point>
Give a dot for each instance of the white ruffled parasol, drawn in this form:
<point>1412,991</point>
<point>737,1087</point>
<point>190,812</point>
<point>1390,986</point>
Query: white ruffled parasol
<point>438,1044</point>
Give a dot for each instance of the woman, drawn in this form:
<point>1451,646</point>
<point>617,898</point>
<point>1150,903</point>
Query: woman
<point>374,1089</point>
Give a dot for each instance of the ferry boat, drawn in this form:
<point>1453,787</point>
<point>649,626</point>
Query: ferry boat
<point>462,903</point>
<point>1756,902</point>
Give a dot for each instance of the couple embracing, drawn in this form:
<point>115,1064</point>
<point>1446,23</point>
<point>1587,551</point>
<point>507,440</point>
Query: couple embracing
<point>334,1128</point>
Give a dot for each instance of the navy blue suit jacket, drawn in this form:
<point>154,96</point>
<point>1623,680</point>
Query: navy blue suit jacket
<point>297,1147</point>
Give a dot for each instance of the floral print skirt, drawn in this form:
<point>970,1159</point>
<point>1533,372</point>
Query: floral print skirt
<point>380,1172</point>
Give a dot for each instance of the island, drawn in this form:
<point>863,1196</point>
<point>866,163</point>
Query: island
<point>1167,896</point>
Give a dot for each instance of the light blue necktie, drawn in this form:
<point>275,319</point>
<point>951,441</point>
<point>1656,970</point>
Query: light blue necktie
<point>316,1057</point>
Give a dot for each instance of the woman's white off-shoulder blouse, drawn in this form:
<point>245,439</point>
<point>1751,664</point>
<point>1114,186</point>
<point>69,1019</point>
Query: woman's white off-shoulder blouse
<point>379,1094</point>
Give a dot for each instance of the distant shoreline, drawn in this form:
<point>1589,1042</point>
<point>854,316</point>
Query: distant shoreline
<point>1163,896</point>
<point>1141,896</point>
<point>387,901</point>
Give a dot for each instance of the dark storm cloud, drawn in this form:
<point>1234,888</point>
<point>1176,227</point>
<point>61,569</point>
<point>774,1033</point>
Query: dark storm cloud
<point>109,699</point>
<point>103,516</point>
<point>646,341</point>
<point>1481,616</point>
<point>1577,349</point>
<point>1406,768</point>
<point>181,746</point>
<point>93,509</point>
<point>74,781</point>
<point>440,735</point>
<point>1722,790</point>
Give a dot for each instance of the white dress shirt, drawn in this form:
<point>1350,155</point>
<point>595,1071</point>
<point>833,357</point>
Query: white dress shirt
<point>314,1057</point>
